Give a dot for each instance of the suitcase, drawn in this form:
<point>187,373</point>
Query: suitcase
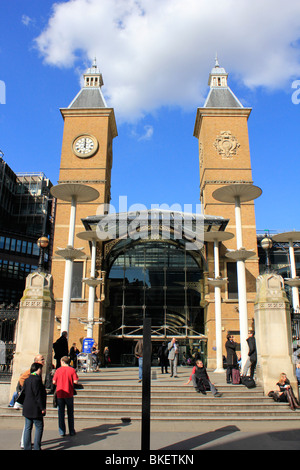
<point>236,378</point>
<point>248,382</point>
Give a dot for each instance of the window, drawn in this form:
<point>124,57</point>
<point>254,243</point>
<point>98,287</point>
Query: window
<point>76,292</point>
<point>232,281</point>
<point>13,244</point>
<point>158,280</point>
<point>36,250</point>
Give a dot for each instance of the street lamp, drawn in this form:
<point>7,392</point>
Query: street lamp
<point>237,194</point>
<point>266,245</point>
<point>42,243</point>
<point>74,193</point>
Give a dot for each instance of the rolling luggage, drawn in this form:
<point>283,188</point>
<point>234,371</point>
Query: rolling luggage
<point>236,378</point>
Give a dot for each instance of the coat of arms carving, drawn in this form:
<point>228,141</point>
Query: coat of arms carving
<point>226,144</point>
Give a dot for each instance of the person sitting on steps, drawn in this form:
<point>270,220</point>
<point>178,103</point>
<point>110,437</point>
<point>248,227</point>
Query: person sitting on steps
<point>284,393</point>
<point>201,381</point>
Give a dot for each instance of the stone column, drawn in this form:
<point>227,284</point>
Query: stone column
<point>35,325</point>
<point>273,333</point>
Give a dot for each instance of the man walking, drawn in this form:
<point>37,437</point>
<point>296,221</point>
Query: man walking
<point>61,348</point>
<point>138,352</point>
<point>64,378</point>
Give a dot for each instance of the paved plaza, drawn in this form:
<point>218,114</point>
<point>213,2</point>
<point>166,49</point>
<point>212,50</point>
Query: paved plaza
<point>166,437</point>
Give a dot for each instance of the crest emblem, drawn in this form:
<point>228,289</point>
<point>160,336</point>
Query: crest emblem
<point>226,144</point>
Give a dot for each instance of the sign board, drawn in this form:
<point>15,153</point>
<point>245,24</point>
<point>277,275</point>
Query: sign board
<point>87,345</point>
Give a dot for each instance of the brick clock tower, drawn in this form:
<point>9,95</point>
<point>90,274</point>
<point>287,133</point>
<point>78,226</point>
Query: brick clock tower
<point>224,158</point>
<point>86,158</point>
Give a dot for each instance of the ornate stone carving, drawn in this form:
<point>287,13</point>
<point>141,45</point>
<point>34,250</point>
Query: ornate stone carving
<point>226,144</point>
<point>201,155</point>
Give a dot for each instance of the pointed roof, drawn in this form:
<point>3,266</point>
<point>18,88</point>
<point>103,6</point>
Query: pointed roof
<point>220,101</point>
<point>220,95</point>
<point>90,95</point>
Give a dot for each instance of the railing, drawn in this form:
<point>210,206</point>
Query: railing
<point>8,320</point>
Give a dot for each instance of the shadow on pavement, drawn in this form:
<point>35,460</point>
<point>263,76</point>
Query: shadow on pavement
<point>83,438</point>
<point>197,441</point>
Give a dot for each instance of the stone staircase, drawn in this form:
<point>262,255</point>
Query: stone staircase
<point>114,394</point>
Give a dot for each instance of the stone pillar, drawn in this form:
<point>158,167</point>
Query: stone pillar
<point>273,333</point>
<point>35,325</point>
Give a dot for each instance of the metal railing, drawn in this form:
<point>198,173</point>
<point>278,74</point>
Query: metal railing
<point>8,320</point>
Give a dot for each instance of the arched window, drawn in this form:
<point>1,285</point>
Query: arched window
<point>155,279</point>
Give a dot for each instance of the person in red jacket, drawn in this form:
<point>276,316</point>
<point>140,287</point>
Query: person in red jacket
<point>64,378</point>
<point>201,381</point>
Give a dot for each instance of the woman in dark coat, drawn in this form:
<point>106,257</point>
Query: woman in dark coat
<point>34,406</point>
<point>163,358</point>
<point>232,360</point>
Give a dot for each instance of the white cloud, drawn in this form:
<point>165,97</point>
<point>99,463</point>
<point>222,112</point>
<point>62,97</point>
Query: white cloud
<point>155,53</point>
<point>145,134</point>
<point>148,133</point>
<point>26,20</point>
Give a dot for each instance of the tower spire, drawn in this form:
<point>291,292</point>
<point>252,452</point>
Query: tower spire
<point>218,75</point>
<point>216,61</point>
<point>93,76</point>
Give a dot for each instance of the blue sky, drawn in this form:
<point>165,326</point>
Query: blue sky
<point>155,57</point>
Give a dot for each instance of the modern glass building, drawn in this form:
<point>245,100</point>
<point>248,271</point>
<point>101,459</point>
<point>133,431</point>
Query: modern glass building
<point>27,212</point>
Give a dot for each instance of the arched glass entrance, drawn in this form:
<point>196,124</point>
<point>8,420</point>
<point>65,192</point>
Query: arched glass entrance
<point>159,280</point>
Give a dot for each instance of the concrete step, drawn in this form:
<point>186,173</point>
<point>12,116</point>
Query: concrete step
<point>98,399</point>
<point>115,394</point>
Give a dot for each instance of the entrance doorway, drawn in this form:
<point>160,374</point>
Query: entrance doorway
<point>158,280</point>
<point>122,351</point>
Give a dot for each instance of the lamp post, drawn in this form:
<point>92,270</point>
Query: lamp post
<point>42,243</point>
<point>237,194</point>
<point>218,282</point>
<point>267,244</point>
<point>74,193</point>
<point>92,281</point>
<point>294,281</point>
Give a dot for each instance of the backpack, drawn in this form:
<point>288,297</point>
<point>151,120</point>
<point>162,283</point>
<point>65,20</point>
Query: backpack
<point>248,382</point>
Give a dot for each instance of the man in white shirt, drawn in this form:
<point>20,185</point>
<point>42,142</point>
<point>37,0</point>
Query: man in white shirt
<point>173,349</point>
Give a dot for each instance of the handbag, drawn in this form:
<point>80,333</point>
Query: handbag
<point>21,397</point>
<point>54,400</point>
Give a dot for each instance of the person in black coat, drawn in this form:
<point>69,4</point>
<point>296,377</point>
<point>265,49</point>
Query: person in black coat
<point>34,406</point>
<point>252,356</point>
<point>232,360</point>
<point>61,348</point>
<point>163,357</point>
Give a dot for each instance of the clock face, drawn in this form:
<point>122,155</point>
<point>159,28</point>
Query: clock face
<point>85,146</point>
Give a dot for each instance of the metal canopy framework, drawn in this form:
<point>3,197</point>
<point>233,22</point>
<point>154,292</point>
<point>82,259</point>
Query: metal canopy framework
<point>157,333</point>
<point>118,231</point>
